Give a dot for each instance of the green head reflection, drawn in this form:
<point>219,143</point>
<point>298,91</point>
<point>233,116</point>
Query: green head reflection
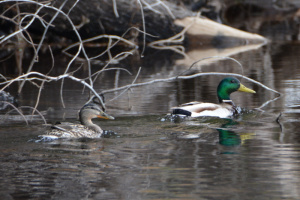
<point>230,138</point>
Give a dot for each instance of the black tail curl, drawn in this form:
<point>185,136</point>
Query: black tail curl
<point>179,111</point>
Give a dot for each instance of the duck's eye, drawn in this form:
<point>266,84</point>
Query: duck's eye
<point>232,81</point>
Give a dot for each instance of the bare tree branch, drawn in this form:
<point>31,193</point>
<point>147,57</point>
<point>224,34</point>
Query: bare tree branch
<point>188,77</point>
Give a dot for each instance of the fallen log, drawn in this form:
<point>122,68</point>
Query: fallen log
<point>204,32</point>
<point>161,19</point>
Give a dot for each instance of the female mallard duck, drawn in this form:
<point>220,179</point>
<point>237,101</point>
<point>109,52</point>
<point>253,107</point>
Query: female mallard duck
<point>86,129</point>
<point>226,107</point>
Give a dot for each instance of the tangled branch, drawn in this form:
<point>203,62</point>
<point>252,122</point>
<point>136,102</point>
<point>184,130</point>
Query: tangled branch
<point>24,20</point>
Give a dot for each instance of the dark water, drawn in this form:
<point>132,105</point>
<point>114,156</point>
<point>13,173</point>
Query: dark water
<point>255,155</point>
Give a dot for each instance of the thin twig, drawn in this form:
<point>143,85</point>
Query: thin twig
<point>144,28</point>
<point>24,28</point>
<point>118,38</point>
<point>129,86</point>
<point>115,8</point>
<point>72,7</point>
<point>15,108</point>
<point>222,57</point>
<point>43,82</point>
<point>33,111</point>
<point>178,38</point>
<point>40,44</point>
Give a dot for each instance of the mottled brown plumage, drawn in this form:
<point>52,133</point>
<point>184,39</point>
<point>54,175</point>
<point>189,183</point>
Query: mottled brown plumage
<point>86,129</point>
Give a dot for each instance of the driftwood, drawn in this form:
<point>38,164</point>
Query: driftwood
<point>114,17</point>
<point>205,32</point>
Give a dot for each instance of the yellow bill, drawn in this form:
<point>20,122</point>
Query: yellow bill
<point>245,89</point>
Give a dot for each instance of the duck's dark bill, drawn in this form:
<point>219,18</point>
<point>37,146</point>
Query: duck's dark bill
<point>105,116</point>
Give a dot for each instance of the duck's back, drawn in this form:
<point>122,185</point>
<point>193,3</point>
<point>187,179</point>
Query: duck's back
<point>198,109</point>
<point>70,130</point>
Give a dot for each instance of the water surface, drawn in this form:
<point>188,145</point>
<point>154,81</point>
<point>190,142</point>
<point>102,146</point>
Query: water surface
<point>255,155</point>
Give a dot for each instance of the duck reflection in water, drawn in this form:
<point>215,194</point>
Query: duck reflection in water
<point>228,138</point>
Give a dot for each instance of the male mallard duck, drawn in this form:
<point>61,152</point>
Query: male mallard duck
<point>226,107</point>
<point>86,129</point>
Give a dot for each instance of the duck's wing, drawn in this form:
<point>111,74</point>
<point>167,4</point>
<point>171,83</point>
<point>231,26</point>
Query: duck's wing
<point>191,103</point>
<point>195,107</point>
<point>69,130</point>
<point>59,130</point>
<point>63,126</point>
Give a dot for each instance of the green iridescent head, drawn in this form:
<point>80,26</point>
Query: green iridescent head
<point>229,85</point>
